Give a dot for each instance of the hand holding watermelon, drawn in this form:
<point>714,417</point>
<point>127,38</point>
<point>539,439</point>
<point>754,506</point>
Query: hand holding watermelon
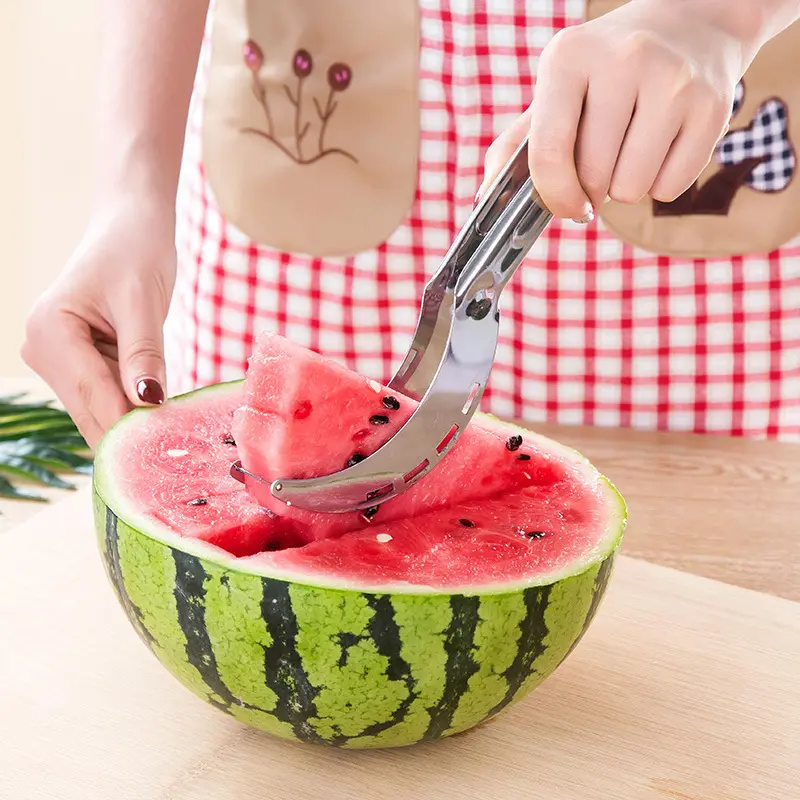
<point>96,335</point>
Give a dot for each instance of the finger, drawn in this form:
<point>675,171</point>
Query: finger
<point>643,152</point>
<point>501,150</point>
<point>140,340</point>
<point>555,116</point>
<point>62,353</point>
<point>607,113</point>
<point>690,153</point>
<point>666,98</point>
<point>107,349</point>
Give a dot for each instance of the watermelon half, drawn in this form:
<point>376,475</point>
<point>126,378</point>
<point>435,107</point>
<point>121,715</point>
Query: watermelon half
<point>420,620</point>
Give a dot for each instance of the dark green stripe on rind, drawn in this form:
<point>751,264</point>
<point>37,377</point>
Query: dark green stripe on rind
<point>461,666</point>
<point>283,666</point>
<point>530,645</point>
<point>568,602</point>
<point>148,571</point>
<point>190,603</point>
<point>356,691</point>
<point>239,636</point>
<point>600,585</point>
<point>114,572</point>
<point>385,633</point>
<point>496,646</point>
<point>421,623</point>
<point>598,592</point>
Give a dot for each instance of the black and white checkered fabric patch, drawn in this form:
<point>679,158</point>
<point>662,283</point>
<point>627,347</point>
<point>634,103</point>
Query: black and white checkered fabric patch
<point>766,136</point>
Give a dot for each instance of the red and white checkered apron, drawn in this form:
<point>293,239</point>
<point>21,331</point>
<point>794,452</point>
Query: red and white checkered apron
<point>593,331</point>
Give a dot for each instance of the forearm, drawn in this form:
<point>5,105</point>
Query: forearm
<point>148,60</point>
<point>776,15</point>
<point>752,21</point>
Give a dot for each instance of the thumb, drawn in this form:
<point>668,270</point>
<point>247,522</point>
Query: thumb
<point>140,339</point>
<point>501,150</point>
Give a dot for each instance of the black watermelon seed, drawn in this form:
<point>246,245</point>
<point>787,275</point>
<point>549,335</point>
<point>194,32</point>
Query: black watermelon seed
<point>392,403</point>
<point>535,534</point>
<point>227,439</point>
<point>200,501</point>
<point>370,512</point>
<point>354,459</point>
<point>478,309</point>
<point>467,523</point>
<point>514,443</point>
<point>523,457</point>
<point>379,419</point>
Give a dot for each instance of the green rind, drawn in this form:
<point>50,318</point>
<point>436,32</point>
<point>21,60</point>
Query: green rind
<point>344,668</point>
<point>339,666</point>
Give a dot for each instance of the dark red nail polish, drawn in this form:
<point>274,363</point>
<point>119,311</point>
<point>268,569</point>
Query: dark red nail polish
<point>477,200</point>
<point>149,391</point>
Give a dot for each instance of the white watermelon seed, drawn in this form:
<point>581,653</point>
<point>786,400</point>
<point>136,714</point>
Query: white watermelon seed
<point>177,453</point>
<point>383,537</point>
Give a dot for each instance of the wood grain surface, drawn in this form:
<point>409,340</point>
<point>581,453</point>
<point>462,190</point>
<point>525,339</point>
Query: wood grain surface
<point>684,689</point>
<point>723,508</point>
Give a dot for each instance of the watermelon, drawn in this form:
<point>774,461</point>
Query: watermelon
<point>444,607</point>
<point>279,427</point>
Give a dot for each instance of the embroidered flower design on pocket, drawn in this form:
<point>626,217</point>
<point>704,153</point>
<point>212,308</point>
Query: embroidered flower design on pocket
<point>760,156</point>
<point>339,78</point>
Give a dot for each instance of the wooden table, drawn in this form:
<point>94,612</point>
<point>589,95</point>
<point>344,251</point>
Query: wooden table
<point>687,687</point>
<point>727,509</point>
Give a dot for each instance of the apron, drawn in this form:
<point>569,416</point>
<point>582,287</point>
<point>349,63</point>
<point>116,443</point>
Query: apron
<point>333,151</point>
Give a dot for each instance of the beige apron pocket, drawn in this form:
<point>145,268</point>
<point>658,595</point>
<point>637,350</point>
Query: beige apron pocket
<point>311,120</point>
<point>748,198</point>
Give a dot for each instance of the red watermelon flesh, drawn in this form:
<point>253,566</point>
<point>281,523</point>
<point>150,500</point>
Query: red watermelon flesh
<point>170,469</point>
<point>473,543</point>
<point>504,505</point>
<point>306,416</point>
<point>178,469</point>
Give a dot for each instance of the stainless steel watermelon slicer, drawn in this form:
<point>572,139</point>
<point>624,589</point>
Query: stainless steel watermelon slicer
<point>451,355</point>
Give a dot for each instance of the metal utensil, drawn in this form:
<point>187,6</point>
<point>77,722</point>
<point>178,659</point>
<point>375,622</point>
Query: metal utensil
<point>451,355</point>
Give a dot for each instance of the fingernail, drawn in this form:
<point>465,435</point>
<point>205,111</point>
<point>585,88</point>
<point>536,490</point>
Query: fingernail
<point>477,199</point>
<point>586,218</point>
<point>149,391</point>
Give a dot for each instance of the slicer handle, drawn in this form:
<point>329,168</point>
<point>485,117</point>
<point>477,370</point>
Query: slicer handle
<point>509,219</point>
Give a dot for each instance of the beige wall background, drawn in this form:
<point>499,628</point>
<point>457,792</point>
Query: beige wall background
<point>47,66</point>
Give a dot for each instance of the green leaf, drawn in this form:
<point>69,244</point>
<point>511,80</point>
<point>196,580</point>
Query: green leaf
<point>37,442</point>
<point>68,441</point>
<point>7,489</point>
<point>45,454</point>
<point>24,468</point>
<point>28,408</point>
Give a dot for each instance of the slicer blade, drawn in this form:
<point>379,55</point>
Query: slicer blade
<point>451,355</point>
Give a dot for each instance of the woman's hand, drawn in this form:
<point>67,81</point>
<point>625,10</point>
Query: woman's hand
<point>631,104</point>
<point>96,336</point>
